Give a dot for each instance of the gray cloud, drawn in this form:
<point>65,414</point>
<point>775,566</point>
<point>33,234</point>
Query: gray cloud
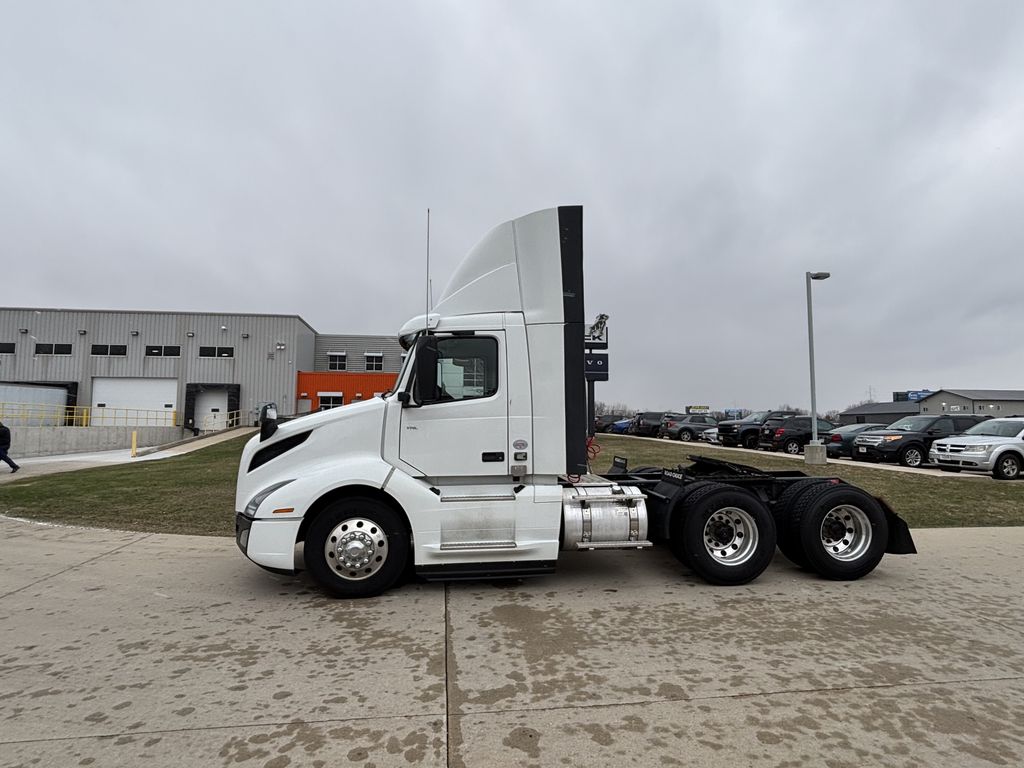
<point>279,158</point>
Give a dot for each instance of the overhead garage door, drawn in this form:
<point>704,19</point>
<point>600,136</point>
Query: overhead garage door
<point>28,405</point>
<point>134,402</point>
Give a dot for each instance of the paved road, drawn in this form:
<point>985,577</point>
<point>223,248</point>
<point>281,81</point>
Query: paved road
<point>134,649</point>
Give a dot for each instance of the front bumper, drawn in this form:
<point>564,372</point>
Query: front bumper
<point>875,453</point>
<point>977,461</point>
<point>268,543</point>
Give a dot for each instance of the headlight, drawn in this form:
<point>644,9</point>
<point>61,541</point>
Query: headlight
<point>891,438</point>
<point>982,448</point>
<point>259,498</point>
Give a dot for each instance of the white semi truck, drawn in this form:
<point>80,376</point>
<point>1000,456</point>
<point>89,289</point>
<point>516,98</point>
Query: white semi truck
<point>476,465</point>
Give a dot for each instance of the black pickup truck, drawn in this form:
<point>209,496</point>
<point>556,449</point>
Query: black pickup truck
<point>747,431</point>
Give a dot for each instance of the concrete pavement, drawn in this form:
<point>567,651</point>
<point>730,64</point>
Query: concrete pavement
<point>130,649</point>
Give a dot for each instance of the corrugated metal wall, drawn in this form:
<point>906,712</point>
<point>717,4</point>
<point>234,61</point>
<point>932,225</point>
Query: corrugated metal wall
<point>269,350</point>
<point>353,385</point>
<point>355,348</point>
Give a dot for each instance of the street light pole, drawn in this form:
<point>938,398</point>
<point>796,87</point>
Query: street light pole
<point>813,455</point>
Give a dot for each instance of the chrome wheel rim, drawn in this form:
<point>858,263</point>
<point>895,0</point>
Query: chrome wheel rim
<point>356,548</point>
<point>685,436</point>
<point>845,533</point>
<point>730,536</point>
<point>1009,467</point>
<point>913,457</point>
<point>792,448</point>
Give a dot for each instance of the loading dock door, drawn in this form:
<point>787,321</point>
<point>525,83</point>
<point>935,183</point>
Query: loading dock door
<point>212,409</point>
<point>133,402</point>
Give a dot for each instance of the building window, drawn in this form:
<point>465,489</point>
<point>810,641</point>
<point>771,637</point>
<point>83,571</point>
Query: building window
<point>374,361</point>
<point>336,361</point>
<point>109,350</point>
<point>331,401</point>
<point>53,349</point>
<point>7,348</point>
<point>168,350</point>
<point>216,351</point>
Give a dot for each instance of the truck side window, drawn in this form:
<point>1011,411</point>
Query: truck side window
<point>467,367</point>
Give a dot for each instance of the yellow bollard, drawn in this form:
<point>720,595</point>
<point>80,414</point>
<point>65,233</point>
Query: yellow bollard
<point>135,443</point>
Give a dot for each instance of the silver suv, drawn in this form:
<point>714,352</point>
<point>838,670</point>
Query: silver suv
<point>995,446</point>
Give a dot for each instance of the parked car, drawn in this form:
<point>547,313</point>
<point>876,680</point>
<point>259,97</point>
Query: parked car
<point>908,440</point>
<point>790,434</point>
<point>710,436</point>
<point>686,428</point>
<point>839,442</point>
<point>619,427</point>
<point>605,420</point>
<point>646,423</point>
<point>995,445</point>
<point>747,431</point>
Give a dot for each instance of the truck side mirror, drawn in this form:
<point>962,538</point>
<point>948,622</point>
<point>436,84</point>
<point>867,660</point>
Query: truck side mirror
<point>268,421</point>
<point>425,382</point>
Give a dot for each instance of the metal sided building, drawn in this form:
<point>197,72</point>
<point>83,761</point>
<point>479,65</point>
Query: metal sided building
<point>195,368</point>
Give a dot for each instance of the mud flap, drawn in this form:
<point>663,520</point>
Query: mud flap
<point>900,541</point>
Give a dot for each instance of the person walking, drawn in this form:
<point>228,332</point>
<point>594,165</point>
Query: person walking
<point>5,446</point>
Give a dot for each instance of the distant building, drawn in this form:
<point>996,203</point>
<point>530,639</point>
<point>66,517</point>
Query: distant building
<point>186,369</point>
<point>879,413</point>
<point>991,402</point>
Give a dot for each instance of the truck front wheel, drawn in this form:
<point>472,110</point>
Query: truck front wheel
<point>357,547</point>
<point>750,441</point>
<point>727,536</point>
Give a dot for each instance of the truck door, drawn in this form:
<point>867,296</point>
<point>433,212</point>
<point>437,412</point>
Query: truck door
<point>464,431</point>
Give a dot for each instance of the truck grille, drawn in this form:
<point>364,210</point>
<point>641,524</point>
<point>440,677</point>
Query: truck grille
<point>729,429</point>
<point>950,448</point>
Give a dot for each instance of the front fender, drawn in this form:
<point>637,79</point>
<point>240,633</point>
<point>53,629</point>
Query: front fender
<point>299,495</point>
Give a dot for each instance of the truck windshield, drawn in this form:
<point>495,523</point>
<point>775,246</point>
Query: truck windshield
<point>757,416</point>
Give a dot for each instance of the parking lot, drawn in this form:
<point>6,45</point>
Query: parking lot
<point>129,649</point>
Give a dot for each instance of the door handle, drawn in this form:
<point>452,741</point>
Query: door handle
<point>492,456</point>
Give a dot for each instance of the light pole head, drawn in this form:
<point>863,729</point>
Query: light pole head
<point>819,275</point>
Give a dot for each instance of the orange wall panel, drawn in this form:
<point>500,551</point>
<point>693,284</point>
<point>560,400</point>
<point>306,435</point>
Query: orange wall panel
<point>354,385</point>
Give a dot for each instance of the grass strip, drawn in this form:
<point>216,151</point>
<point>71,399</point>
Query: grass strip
<point>195,493</point>
<point>924,501</point>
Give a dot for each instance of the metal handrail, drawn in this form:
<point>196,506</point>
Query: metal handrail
<point>213,422</point>
<point>53,415</point>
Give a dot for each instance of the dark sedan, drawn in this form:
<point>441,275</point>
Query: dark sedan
<point>839,442</point>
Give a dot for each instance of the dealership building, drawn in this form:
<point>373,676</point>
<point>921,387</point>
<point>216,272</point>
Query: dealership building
<point>194,371</point>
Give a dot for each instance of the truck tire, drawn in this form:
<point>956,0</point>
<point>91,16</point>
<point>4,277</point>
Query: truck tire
<point>1007,467</point>
<point>678,513</point>
<point>792,447</point>
<point>357,547</point>
<point>913,456</point>
<point>750,441</point>
<point>789,540</point>
<point>842,530</point>
<point>726,535</point>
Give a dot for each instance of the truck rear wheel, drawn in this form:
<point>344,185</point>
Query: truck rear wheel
<point>789,539</point>
<point>357,547</point>
<point>842,530</point>
<point>726,535</point>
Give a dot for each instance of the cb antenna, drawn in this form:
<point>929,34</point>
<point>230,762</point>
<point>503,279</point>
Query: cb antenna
<point>426,315</point>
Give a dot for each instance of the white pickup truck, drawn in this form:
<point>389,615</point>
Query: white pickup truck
<point>476,464</point>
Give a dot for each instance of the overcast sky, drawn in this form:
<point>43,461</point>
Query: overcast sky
<point>279,157</point>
